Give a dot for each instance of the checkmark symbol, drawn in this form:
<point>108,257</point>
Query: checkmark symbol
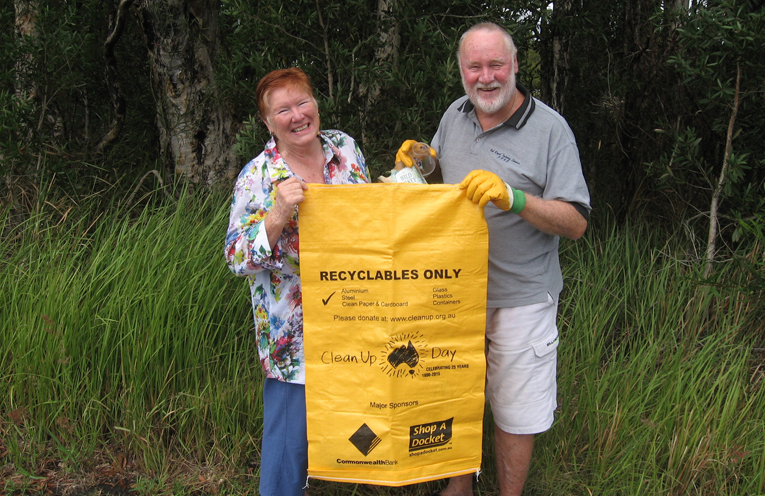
<point>328,298</point>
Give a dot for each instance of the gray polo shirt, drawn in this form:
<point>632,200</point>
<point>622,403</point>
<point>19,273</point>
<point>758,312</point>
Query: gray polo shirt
<point>534,151</point>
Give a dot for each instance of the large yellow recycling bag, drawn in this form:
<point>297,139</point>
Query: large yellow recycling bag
<point>394,303</point>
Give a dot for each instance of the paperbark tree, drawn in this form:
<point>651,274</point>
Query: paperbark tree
<point>26,29</point>
<point>556,68</point>
<point>196,127</point>
<point>385,57</point>
<point>25,85</point>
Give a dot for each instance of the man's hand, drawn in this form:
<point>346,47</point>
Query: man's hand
<point>404,157</point>
<point>483,186</point>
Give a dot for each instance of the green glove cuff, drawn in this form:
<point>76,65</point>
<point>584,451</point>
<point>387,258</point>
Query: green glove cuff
<point>519,201</point>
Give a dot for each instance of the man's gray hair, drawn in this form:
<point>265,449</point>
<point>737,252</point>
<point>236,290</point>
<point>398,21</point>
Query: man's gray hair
<point>488,26</point>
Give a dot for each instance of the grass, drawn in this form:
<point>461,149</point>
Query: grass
<point>127,361</point>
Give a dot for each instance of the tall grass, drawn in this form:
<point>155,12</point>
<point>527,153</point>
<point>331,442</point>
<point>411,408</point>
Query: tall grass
<point>660,390</point>
<point>125,342</point>
<point>129,334</point>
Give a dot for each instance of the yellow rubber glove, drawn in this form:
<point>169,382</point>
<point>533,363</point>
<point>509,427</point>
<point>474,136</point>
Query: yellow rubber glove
<point>484,186</point>
<point>403,155</point>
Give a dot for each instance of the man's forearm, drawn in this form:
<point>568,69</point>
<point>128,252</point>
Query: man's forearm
<point>554,217</point>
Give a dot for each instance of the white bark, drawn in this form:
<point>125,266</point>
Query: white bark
<point>713,222</point>
<point>196,128</point>
<point>386,53</point>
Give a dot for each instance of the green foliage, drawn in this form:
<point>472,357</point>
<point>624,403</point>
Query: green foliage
<point>715,44</point>
<point>54,103</point>
<point>650,366</point>
<point>7,55</point>
<point>340,50</point>
<point>251,138</point>
<point>56,65</point>
<point>129,337</point>
<point>649,93</point>
<point>617,86</point>
<point>13,151</point>
<point>129,331</point>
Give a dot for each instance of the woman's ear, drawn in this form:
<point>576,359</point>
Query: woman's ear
<point>265,123</point>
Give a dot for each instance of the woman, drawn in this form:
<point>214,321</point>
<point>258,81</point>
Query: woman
<point>262,244</point>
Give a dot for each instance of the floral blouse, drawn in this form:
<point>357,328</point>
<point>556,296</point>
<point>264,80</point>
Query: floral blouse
<point>274,276</point>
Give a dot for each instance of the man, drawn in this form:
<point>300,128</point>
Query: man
<point>504,146</point>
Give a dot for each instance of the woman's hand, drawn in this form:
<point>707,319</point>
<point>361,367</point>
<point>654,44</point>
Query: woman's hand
<point>288,195</point>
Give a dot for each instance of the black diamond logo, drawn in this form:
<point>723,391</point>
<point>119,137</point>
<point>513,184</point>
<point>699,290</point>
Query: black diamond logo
<point>364,439</point>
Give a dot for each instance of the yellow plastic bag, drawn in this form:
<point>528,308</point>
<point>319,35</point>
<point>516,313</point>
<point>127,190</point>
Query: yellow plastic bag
<point>394,304</point>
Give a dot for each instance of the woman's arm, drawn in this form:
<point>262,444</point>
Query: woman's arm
<point>259,215</point>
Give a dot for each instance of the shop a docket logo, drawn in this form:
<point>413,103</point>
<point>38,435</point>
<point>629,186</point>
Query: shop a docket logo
<point>364,439</point>
<point>430,435</point>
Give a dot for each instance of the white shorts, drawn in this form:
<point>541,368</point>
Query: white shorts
<point>521,361</point>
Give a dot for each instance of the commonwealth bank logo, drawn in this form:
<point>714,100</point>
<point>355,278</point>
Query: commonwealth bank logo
<point>364,439</point>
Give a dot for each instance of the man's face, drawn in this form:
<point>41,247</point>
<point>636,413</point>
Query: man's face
<point>488,71</point>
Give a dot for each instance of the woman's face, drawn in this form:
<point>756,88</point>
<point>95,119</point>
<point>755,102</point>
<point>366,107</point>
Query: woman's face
<point>293,117</point>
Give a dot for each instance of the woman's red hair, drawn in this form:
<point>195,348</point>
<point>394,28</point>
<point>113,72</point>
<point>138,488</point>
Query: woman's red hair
<point>294,77</point>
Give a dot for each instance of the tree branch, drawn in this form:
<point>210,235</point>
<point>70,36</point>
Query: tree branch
<point>330,76</point>
<point>112,81</point>
<point>712,238</point>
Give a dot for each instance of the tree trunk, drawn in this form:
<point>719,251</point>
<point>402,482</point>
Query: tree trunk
<point>116,26</point>
<point>196,128</point>
<point>386,55</point>
<point>327,54</point>
<point>26,29</point>
<point>677,5</point>
<point>25,86</point>
<point>712,236</point>
<point>557,68</point>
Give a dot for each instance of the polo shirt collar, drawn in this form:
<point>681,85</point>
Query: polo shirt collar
<point>520,117</point>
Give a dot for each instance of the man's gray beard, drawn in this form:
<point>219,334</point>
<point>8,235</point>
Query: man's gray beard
<point>504,98</point>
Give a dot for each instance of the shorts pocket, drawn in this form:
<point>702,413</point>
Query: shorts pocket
<point>547,345</point>
<point>546,363</point>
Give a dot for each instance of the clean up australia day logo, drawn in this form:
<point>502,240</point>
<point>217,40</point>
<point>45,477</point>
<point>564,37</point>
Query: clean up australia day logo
<point>403,355</point>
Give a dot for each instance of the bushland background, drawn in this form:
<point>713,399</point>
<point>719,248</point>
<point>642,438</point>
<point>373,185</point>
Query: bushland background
<point>127,362</point>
